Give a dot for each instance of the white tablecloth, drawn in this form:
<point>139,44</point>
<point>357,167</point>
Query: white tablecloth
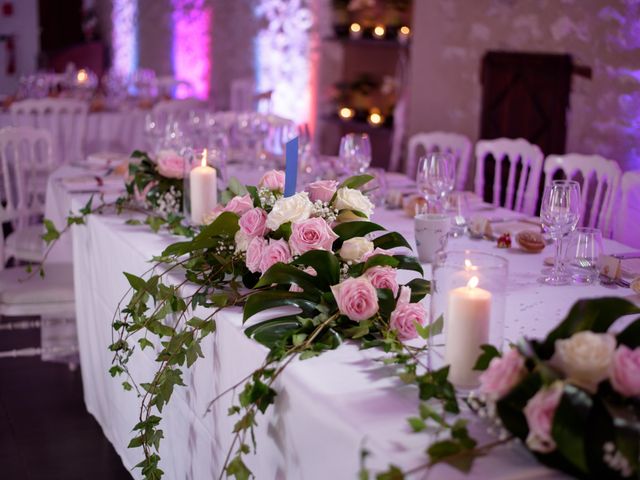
<point>108,131</point>
<point>327,407</point>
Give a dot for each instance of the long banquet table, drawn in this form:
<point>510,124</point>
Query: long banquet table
<point>328,408</point>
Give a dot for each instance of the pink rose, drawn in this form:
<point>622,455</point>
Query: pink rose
<point>253,222</point>
<point>311,234</point>
<point>276,251</point>
<point>625,371</point>
<point>255,251</point>
<point>502,375</point>
<point>311,271</point>
<point>377,251</point>
<point>404,319</point>
<point>540,410</point>
<point>356,298</point>
<point>273,180</point>
<point>405,295</point>
<point>383,277</point>
<point>239,204</point>
<point>170,164</point>
<point>322,190</point>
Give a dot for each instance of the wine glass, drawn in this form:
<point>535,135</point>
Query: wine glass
<point>583,253</point>
<point>560,212</point>
<point>436,176</point>
<point>355,152</point>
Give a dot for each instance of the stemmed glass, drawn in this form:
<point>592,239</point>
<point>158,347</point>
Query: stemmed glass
<point>560,212</point>
<point>355,152</point>
<point>583,252</point>
<point>436,176</point>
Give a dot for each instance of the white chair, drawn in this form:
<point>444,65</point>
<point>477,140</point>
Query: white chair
<point>64,118</point>
<point>457,144</point>
<point>515,152</point>
<point>607,177</point>
<point>627,227</point>
<point>25,162</point>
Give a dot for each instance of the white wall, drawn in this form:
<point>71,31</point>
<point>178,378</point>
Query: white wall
<point>450,37</point>
<point>24,25</point>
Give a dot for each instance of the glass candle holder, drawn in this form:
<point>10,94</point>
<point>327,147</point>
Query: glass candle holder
<point>200,185</point>
<point>468,292</point>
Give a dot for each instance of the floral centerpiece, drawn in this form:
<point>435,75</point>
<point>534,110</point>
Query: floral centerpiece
<point>316,251</point>
<point>574,397</point>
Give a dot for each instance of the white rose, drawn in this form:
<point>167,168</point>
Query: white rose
<point>585,358</point>
<point>290,209</point>
<point>350,199</point>
<point>242,241</point>
<point>355,248</point>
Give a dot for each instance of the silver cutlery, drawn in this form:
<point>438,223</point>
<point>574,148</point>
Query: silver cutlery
<point>626,256</point>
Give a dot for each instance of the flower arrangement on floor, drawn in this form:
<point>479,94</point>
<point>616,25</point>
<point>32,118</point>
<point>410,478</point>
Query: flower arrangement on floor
<point>574,397</point>
<point>316,251</point>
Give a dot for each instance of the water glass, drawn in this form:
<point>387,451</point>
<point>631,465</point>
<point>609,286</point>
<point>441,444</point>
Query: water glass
<point>376,188</point>
<point>355,152</point>
<point>436,176</point>
<point>458,207</point>
<point>582,254</point>
<point>559,212</point>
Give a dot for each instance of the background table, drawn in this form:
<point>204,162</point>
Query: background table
<point>327,408</point>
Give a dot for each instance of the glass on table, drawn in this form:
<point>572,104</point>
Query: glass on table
<point>458,207</point>
<point>376,188</point>
<point>355,152</point>
<point>436,176</point>
<point>559,213</point>
<point>582,255</point>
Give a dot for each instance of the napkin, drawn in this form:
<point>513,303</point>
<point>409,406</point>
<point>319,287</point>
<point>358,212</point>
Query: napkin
<point>630,267</point>
<point>106,159</point>
<point>93,183</point>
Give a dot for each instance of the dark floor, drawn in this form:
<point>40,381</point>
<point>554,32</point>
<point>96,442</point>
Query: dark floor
<point>45,430</point>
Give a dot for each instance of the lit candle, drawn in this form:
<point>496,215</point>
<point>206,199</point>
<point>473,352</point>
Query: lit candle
<point>346,113</point>
<point>403,34</point>
<point>379,31</point>
<point>467,329</point>
<point>204,190</point>
<point>82,77</point>
<point>355,30</point>
<point>375,118</point>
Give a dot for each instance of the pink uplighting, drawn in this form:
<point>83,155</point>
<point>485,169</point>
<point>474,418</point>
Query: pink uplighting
<point>191,55</point>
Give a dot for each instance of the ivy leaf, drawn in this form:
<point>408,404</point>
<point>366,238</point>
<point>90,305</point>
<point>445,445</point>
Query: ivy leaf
<point>416,424</point>
<point>438,451</point>
<point>394,473</point>
<point>434,328</point>
<point>238,469</point>
<point>489,352</point>
<point>86,210</point>
<point>51,232</point>
<point>144,343</point>
<point>356,181</point>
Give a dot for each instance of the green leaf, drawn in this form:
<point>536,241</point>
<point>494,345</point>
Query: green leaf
<point>145,343</point>
<point>51,232</point>
<point>136,442</point>
<point>356,181</point>
<point>133,221</point>
<point>136,282</point>
<point>325,264</point>
<point>511,406</point>
<point>416,424</point>
<point>394,473</point>
<point>406,262</point>
<point>434,328</point>
<point>127,386</point>
<point>286,274</point>
<point>270,332</point>
<point>489,352</point>
<point>349,230</point>
<point>438,451</point>
<point>237,469</point>
<point>236,187</point>
<point>596,314</point>
<point>391,240</point>
<point>420,288</point>
<point>264,300</point>
<point>630,336</point>
<point>570,423</point>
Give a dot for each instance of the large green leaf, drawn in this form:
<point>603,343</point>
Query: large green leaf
<point>225,225</point>
<point>406,262</point>
<point>282,273</point>
<point>596,314</point>
<point>420,288</point>
<point>349,230</point>
<point>324,263</point>
<point>356,181</point>
<point>630,336</point>
<point>511,405</point>
<point>391,240</point>
<point>266,299</point>
<point>570,423</point>
<point>272,331</point>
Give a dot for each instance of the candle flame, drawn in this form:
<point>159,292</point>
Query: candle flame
<point>204,158</point>
<point>473,282</point>
<point>82,76</point>
<point>467,264</point>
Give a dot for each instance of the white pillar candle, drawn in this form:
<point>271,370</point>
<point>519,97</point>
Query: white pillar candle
<point>469,313</point>
<point>204,191</point>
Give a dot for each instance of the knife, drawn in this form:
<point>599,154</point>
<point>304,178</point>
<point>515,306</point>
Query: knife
<point>626,256</point>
